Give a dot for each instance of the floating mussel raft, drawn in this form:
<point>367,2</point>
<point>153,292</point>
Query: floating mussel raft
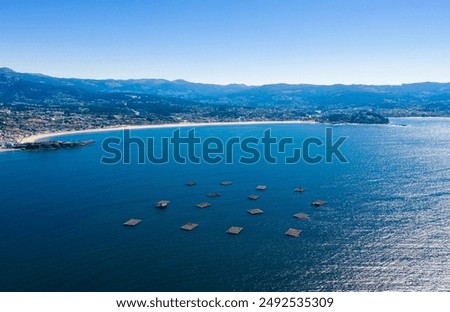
<point>162,204</point>
<point>235,230</point>
<point>132,222</point>
<point>189,226</point>
<point>203,205</point>
<point>255,211</point>
<point>293,232</point>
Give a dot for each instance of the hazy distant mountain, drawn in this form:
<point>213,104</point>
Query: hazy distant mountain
<point>158,87</point>
<point>40,90</point>
<point>427,96</point>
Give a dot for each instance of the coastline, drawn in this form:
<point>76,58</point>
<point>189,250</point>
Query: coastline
<point>41,136</point>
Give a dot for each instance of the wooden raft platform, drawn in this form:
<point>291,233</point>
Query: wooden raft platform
<point>255,211</point>
<point>318,203</point>
<point>132,222</point>
<point>213,194</point>
<point>235,230</point>
<point>301,215</point>
<point>253,197</point>
<point>299,189</point>
<point>225,183</point>
<point>203,205</point>
<point>190,183</point>
<point>189,226</point>
<point>293,232</point>
<point>261,187</point>
<point>162,204</point>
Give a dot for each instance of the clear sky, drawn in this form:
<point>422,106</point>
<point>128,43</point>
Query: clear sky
<point>227,41</point>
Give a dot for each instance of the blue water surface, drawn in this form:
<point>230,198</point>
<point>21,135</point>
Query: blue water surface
<point>385,226</point>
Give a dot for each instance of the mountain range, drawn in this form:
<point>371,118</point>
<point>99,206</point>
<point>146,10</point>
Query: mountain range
<point>427,98</point>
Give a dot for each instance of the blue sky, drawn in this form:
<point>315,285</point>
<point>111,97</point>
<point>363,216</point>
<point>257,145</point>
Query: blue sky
<point>228,41</point>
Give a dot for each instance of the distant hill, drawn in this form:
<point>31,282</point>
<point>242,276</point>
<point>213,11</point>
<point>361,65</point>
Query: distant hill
<point>428,98</point>
<point>40,90</point>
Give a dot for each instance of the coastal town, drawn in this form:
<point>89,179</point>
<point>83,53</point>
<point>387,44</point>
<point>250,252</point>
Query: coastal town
<point>18,124</point>
<point>33,104</point>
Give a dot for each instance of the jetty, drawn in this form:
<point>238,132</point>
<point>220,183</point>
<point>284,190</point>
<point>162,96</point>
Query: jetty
<point>261,187</point>
<point>301,215</point>
<point>318,203</point>
<point>255,211</point>
<point>190,183</point>
<point>293,232</point>
<point>253,197</point>
<point>132,222</point>
<point>235,230</point>
<point>50,145</point>
<point>213,194</point>
<point>299,189</point>
<point>203,205</point>
<point>225,183</point>
<point>162,204</point>
<point>189,226</point>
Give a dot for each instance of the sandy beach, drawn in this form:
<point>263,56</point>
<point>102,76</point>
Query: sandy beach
<point>42,136</point>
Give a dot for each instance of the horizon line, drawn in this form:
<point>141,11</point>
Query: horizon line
<point>4,68</point>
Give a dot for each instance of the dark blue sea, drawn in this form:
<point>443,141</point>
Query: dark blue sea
<point>385,227</point>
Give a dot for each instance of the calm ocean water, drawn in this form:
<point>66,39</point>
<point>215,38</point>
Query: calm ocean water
<point>386,225</point>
